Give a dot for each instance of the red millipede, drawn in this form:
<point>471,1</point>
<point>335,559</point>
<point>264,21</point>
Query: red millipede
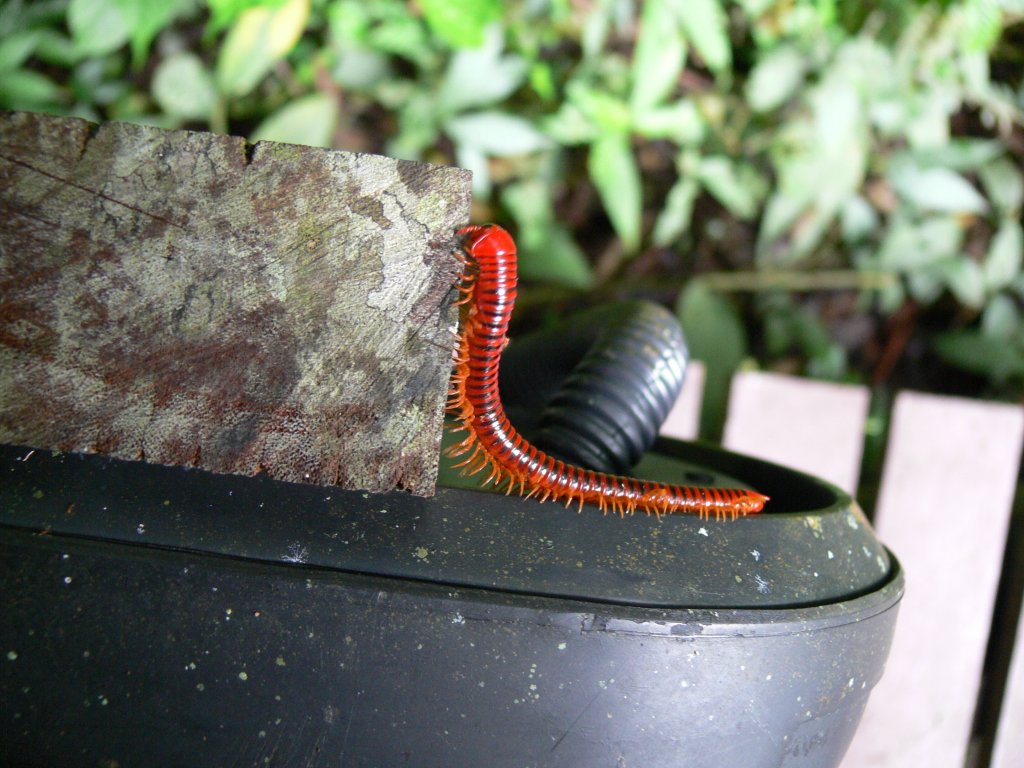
<point>488,291</point>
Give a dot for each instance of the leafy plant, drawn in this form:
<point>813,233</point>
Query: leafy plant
<point>816,168</point>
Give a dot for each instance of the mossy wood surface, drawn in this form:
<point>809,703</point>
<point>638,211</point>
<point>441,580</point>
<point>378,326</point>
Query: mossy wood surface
<point>189,299</point>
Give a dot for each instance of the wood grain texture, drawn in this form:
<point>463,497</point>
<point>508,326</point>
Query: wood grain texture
<point>814,426</point>
<point>947,487</point>
<point>189,299</point>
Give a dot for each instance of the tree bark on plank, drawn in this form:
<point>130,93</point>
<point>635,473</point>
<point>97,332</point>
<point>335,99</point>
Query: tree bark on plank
<point>189,299</point>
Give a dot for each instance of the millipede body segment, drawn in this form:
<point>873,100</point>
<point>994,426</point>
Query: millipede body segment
<point>492,444</point>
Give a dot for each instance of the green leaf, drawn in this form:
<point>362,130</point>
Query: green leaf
<point>99,27</point>
<point>1005,255</point>
<point>479,76</point>
<point>928,127</point>
<point>56,48</point>
<point>910,246</point>
<point>601,109</point>
<point>674,220</point>
<point>659,56</point>
<point>982,25</point>
<point>972,351</point>
<point>24,89</point>
<point>542,80</point>
<point>360,69</point>
<point>149,20</point>
<point>595,29</point>
<point>716,336</point>
<point>613,170</point>
<point>1001,319</point>
<point>858,221</point>
<point>965,280</point>
<point>547,249</point>
<point>775,79</point>
<point>184,88</point>
<point>417,128</point>
<point>926,285</point>
<point>556,259</point>
<point>706,27</point>
<point>226,11</point>
<point>958,154</point>
<point>497,133</point>
<point>935,189</point>
<point>680,122</point>
<point>17,48</point>
<point>475,160</point>
<point>256,42</point>
<point>738,187</point>
<point>310,120</point>
<point>821,160</point>
<point>1004,184</point>
<point>460,23</point>
<point>569,126</point>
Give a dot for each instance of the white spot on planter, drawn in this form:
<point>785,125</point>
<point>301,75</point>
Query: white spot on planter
<point>756,555</point>
<point>12,655</point>
<point>702,531</point>
<point>831,555</point>
<point>243,676</point>
<point>296,553</point>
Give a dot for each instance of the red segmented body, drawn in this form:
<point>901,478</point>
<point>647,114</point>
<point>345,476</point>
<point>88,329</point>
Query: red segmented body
<point>488,295</point>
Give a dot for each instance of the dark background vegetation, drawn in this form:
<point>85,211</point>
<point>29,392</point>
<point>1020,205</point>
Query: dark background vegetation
<point>824,188</point>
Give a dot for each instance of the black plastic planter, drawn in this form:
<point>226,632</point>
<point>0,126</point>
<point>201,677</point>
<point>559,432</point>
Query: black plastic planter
<point>157,616</point>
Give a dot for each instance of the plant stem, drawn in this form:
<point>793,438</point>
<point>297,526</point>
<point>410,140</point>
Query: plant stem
<point>826,280</point>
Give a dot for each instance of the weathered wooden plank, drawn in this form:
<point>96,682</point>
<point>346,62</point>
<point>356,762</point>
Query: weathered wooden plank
<point>813,426</point>
<point>683,421</point>
<point>1009,745</point>
<point>188,299</point>
<point>947,488</point>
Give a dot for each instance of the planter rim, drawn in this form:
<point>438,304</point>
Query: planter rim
<point>786,559</point>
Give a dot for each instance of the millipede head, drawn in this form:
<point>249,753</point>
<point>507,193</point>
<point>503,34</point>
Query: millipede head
<point>487,240</point>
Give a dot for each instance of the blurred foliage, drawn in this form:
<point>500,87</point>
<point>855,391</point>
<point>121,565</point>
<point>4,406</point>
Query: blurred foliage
<point>838,186</point>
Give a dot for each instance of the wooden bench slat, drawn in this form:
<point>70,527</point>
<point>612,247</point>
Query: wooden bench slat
<point>1009,746</point>
<point>683,421</point>
<point>813,426</point>
<point>947,489</point>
